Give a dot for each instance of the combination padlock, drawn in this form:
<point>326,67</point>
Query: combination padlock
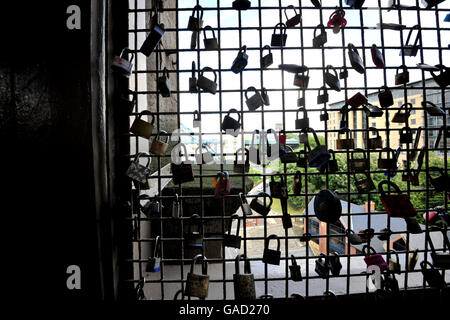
<point>271,256</point>
<point>241,61</point>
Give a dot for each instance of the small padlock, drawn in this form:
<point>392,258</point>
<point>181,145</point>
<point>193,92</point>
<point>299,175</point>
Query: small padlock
<point>432,109</point>
<point>244,283</point>
<point>241,61</point>
<point>181,172</point>
<point>394,265</point>
<point>322,266</point>
<point>140,295</point>
<point>223,185</point>
<point>402,77</point>
<point>389,284</point>
<point>402,117</point>
<point>143,128</point>
<point>377,57</point>
<point>197,285</point>
<point>355,4</point>
<point>406,135</point>
<point>322,98</point>
<point>196,19</point>
<point>302,123</point>
<point>262,209</point>
<point>121,65</point>
<point>300,99</point>
<point>206,84</point>
<point>271,256</point>
<point>327,206</point>
<point>255,101</point>
<point>193,80</point>
<point>319,155</point>
<point>346,143</point>
<point>265,96</point>
<point>266,60</point>
<point>177,207</point>
<point>335,264</point>
<point>153,39</point>
<point>210,43</point>
<point>385,97</point>
<point>355,59</point>
<point>374,143</point>
<point>194,239</point>
<point>286,217</point>
<point>410,50</point>
<point>432,276</point>
<point>301,80</point>
<point>295,269</point>
<point>278,189</point>
<point>361,164</point>
<point>203,157</point>
<point>364,185</point>
<point>295,20</point>
<point>396,205</point>
<point>372,110</point>
<point>159,147</point>
<point>343,73</point>
<point>163,84</point>
<point>443,78</point>
<point>279,39</point>
<point>321,39</point>
<point>151,207</point>
<point>233,240</point>
<point>154,263</point>
<point>323,115</point>
<point>331,166</point>
<point>358,99</point>
<point>373,258</point>
<point>332,80</point>
<point>389,162</point>
<point>241,4</point>
<point>297,183</point>
<point>229,123</point>
<point>242,165</point>
<point>246,210</point>
<point>138,172</point>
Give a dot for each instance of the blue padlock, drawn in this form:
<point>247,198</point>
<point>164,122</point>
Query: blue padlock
<point>241,60</point>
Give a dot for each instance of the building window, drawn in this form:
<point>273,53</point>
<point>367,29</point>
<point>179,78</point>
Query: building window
<point>374,124</point>
<point>413,111</point>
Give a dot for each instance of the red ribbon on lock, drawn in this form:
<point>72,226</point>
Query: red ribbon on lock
<point>337,20</point>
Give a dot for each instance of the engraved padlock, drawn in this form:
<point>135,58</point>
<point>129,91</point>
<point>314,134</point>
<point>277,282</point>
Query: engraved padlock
<point>345,143</point>
<point>321,39</point>
<point>154,263</point>
<point>241,61</point>
<point>197,285</point>
<point>261,208</point>
<point>255,101</point>
<point>410,50</point>
<point>141,127</point>
<point>121,65</point>
<point>402,77</point>
<point>385,97</point>
<point>206,84</point>
<point>233,240</point>
<point>295,269</point>
<point>331,79</point>
<point>210,43</point>
<point>159,147</point>
<point>293,21</point>
<point>301,123</point>
<point>279,39</point>
<point>244,283</point>
<point>271,256</point>
<point>163,84</point>
<point>322,97</point>
<point>266,60</point>
<point>355,59</point>
<point>229,123</point>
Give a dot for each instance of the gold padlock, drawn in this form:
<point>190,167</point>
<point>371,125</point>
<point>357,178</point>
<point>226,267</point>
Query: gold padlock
<point>159,147</point>
<point>347,143</point>
<point>197,285</point>
<point>143,128</point>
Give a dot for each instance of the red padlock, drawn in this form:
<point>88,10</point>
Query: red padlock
<point>282,137</point>
<point>222,184</point>
<point>337,20</point>
<point>396,205</point>
<point>357,100</point>
<point>372,258</point>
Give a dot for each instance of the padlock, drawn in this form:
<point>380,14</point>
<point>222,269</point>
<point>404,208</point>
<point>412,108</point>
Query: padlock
<point>302,123</point>
<point>358,99</point>
<point>279,39</point>
<point>443,131</point>
<point>195,22</point>
<point>143,128</point>
<point>295,269</point>
<point>194,39</point>
<point>177,207</point>
<point>300,99</point>
<point>233,240</point>
<point>415,151</point>
<point>337,20</point>
<point>346,143</point>
<point>353,238</point>
<point>242,165</point>
<point>385,97</point>
<point>355,59</point>
<point>402,77</point>
<point>332,80</point>
<point>335,264</point>
<point>302,159</point>
<point>153,39</point>
<point>440,259</point>
<point>343,122</point>
<point>432,109</point>
<point>154,263</point>
<point>241,61</point>
<point>151,207</point>
<point>372,258</point>
<point>297,183</point>
<point>402,117</point>
<point>317,3</point>
<point>278,189</point>
<point>159,147</point>
<point>432,276</point>
<point>319,155</point>
<point>193,80</point>
<point>410,50</point>
<point>181,172</point>
<point>359,164</point>
<point>272,150</point>
<point>241,4</point>
<point>289,156</point>
<point>377,57</point>
<point>266,60</point>
<point>389,284</point>
<point>197,285</point>
<point>163,84</point>
<point>126,103</point>
<point>262,209</point>
<point>255,101</point>
<point>203,157</point>
<point>431,3</point>
<point>321,39</point>
<point>364,185</point>
<point>254,151</point>
<point>295,20</point>
<point>301,80</point>
<point>322,266</point>
<point>441,182</point>
<point>246,210</point>
<point>372,110</point>
<point>327,206</point>
<point>286,217</point>
<point>323,115</point>
<point>140,295</point>
<point>366,234</point>
<point>406,135</point>
<point>394,265</point>
<point>443,78</point>
<point>121,65</point>
<point>222,185</point>
<point>229,123</point>
<point>271,256</point>
<point>374,143</point>
<point>385,234</point>
<point>138,172</point>
<point>355,4</point>
<point>244,283</point>
<point>265,96</point>
<point>322,98</point>
<point>206,84</point>
<point>331,166</point>
<point>210,43</point>
<point>194,239</point>
<point>396,205</point>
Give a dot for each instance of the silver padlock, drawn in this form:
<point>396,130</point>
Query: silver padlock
<point>122,65</point>
<point>159,147</point>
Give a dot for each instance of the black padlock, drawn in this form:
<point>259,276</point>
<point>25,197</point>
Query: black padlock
<point>327,206</point>
<point>295,20</point>
<point>301,80</point>
<point>241,61</point>
<point>355,59</point>
<point>402,117</point>
<point>332,80</point>
<point>364,185</point>
<point>279,39</point>
<point>406,135</point>
<point>432,3</point>
<point>154,263</point>
<point>194,239</point>
<point>359,164</point>
<point>440,259</point>
<point>286,217</point>
<point>266,60</point>
<point>262,209</point>
<point>441,182</point>
<point>300,100</point>
<point>322,266</point>
<point>321,39</point>
<point>374,143</point>
<point>302,123</point>
<point>443,78</point>
<point>229,123</point>
<point>271,256</point>
<point>195,23</point>
<point>355,4</point>
<point>372,110</point>
<point>343,73</point>
<point>322,98</point>
<point>288,156</point>
<point>335,264</point>
<point>265,96</point>
<point>278,189</point>
<point>241,4</point>
<point>153,39</point>
<point>410,50</point>
<point>432,276</point>
<point>385,97</point>
<point>193,80</point>
<point>151,207</point>
<point>294,268</point>
<point>210,43</point>
<point>182,171</point>
<point>255,101</point>
<point>302,159</point>
<point>432,109</point>
<point>164,84</point>
<point>233,240</point>
<point>389,162</point>
<point>402,77</point>
<point>319,155</point>
<point>206,84</point>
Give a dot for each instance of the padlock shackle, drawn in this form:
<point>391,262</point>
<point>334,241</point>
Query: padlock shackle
<point>387,150</point>
<point>264,194</point>
<point>293,261</point>
<point>409,36</point>
<point>247,267</point>
<point>125,51</point>
<point>204,264</point>
<point>328,67</point>
<point>424,105</point>
<point>251,88</point>
<point>147,113</point>
<point>246,154</point>
<point>282,27</point>
<point>424,264</point>
<point>232,217</point>
<point>271,237</point>
<point>316,138</point>
<point>193,70</point>
<point>140,154</point>
<point>403,67</point>
<point>359,150</point>
<point>390,184</point>
<point>373,129</point>
<point>198,9</point>
<point>322,28</point>
<point>211,29</point>
<point>442,129</point>
<point>290,7</point>
<point>272,177</point>
<point>266,47</point>
<point>210,70</point>
<point>191,221</point>
<point>242,49</point>
<point>235,111</point>
<point>304,113</point>
<point>156,252</point>
<point>351,47</point>
<point>243,198</point>
<point>367,250</point>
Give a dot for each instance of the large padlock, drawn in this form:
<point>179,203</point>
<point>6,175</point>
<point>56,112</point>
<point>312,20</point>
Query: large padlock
<point>154,263</point>
<point>374,143</point>
<point>195,22</point>
<point>406,135</point>
<point>121,65</point>
<point>402,117</point>
<point>440,259</point>
<point>193,80</point>
<point>443,78</point>
<point>242,165</point>
<point>335,264</point>
<point>297,183</point>
<point>322,97</point>
<point>372,258</point>
<point>265,96</point>
<point>441,182</point>
<point>137,172</point>
<point>364,185</point>
<point>327,206</point>
<point>271,256</point>
<point>331,166</point>
<point>153,39</point>
<point>241,4</point>
<point>359,164</point>
<point>182,171</point>
<point>210,43</point>
<point>163,84</point>
<point>293,21</point>
<point>346,143</point>
<point>254,152</point>
<point>288,156</point>
<point>159,147</point>
<point>126,103</point>
<point>255,101</point>
<point>151,207</point>
<point>323,116</point>
<point>388,162</point>
<point>396,205</point>
<point>266,60</point>
<point>197,285</point>
<point>246,210</point>
<point>241,61</point>
<point>402,77</point>
<point>319,155</point>
<point>394,265</point>
<point>177,207</point>
<point>331,79</point>
<point>385,97</point>
<point>322,266</point>
<point>261,208</point>
<point>279,39</point>
<point>229,123</point>
<point>432,109</point>
<point>278,189</point>
<point>244,283</point>
<point>302,123</point>
<point>141,127</point>
<point>295,269</point>
<point>203,157</point>
<point>301,80</point>
<point>233,240</point>
<point>372,110</point>
<point>321,39</point>
<point>358,99</point>
<point>377,56</point>
<point>194,239</point>
<point>410,50</point>
<point>206,84</point>
<point>222,184</point>
<point>355,4</point>
<point>432,276</point>
<point>355,59</point>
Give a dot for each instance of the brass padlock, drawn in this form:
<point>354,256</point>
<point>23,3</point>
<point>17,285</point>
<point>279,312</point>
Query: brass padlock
<point>143,128</point>
<point>244,283</point>
<point>374,143</point>
<point>159,147</point>
<point>402,117</point>
<point>359,165</point>
<point>197,285</point>
<point>346,143</point>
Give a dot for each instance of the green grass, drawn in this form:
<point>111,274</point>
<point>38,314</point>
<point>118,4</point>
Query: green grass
<point>276,205</point>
